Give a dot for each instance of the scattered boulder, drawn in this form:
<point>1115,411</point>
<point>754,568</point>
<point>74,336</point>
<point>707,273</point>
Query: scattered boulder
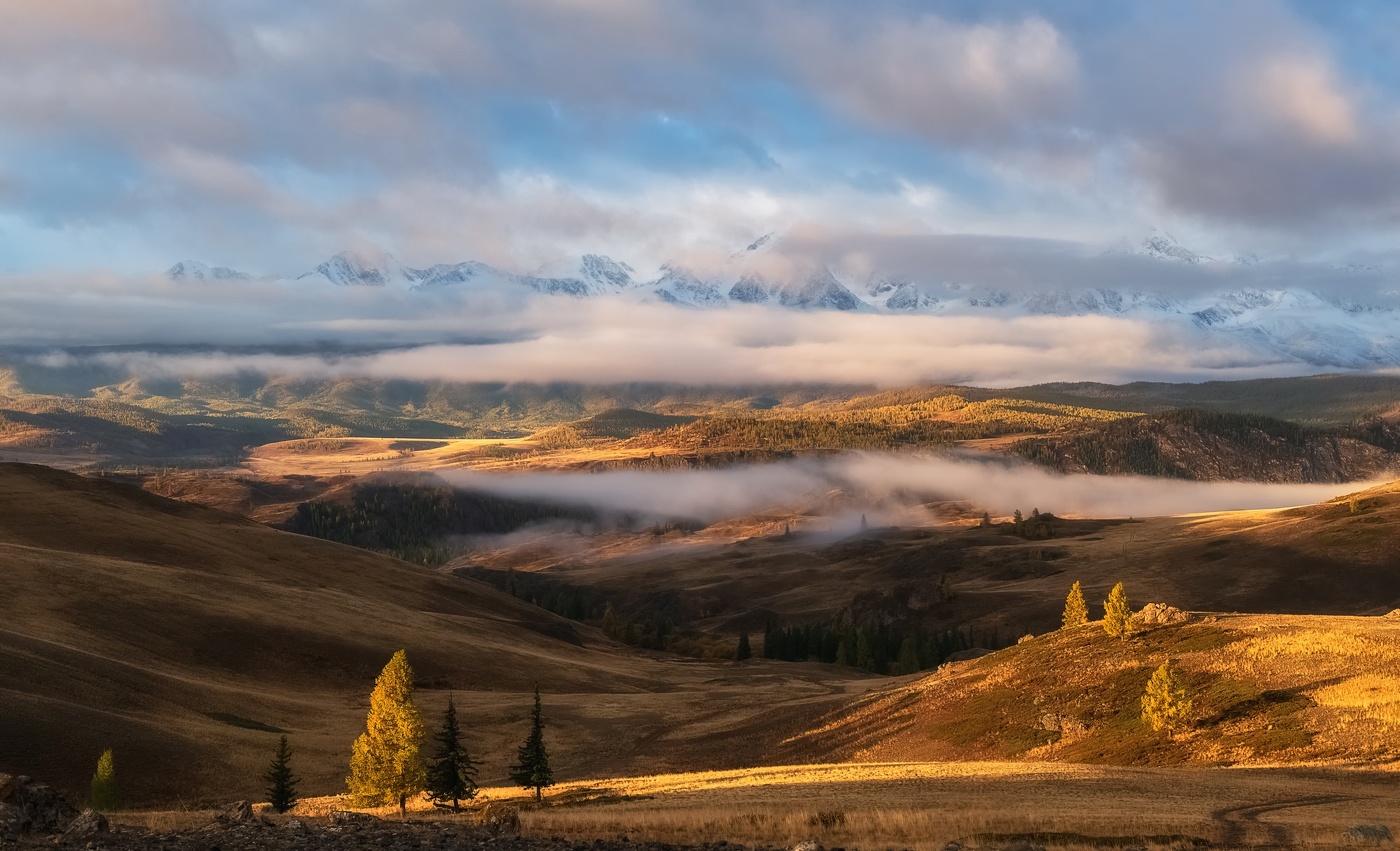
<point>953,846</point>
<point>239,812</point>
<point>11,823</point>
<point>88,825</point>
<point>808,845</point>
<point>1393,614</point>
<point>1367,834</point>
<point>1066,725</point>
<point>350,817</point>
<point>1159,614</point>
<point>8,784</point>
<point>1023,639</point>
<point>500,818</point>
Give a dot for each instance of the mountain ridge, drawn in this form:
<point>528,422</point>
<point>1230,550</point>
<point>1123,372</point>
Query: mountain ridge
<point>1291,323</point>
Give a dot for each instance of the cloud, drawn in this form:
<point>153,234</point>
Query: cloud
<point>271,134</point>
<point>882,480</point>
<point>949,82</point>
<point>508,334</point>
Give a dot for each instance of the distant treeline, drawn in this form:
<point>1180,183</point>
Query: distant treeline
<point>416,522</point>
<point>876,646</point>
<point>653,627</point>
<point>881,648</point>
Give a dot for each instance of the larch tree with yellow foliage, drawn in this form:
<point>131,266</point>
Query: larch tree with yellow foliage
<point>1165,703</point>
<point>1117,614</point>
<point>1076,611</point>
<point>386,765</point>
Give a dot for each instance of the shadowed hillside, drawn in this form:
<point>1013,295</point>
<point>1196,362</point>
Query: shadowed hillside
<point>994,585</point>
<point>1212,446</point>
<point>186,639</point>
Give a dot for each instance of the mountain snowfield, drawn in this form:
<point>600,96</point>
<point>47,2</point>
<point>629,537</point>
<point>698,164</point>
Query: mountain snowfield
<point>1297,325</point>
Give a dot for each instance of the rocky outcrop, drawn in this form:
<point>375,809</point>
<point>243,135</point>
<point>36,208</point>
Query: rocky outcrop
<point>29,808</point>
<point>1159,614</point>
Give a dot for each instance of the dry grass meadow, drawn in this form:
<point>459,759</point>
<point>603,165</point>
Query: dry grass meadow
<point>923,806</point>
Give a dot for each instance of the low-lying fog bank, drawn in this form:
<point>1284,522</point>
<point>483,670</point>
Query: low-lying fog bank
<point>884,481</point>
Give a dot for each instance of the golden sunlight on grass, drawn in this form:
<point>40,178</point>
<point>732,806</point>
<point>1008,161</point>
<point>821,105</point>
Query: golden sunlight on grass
<point>925,805</point>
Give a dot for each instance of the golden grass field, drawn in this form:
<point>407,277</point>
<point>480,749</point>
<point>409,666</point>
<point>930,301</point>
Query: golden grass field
<point>923,806</point>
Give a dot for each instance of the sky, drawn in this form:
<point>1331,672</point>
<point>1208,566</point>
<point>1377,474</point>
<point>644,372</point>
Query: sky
<point>268,135</point>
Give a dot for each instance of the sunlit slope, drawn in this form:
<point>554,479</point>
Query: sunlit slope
<point>186,638</point>
<point>1265,688</point>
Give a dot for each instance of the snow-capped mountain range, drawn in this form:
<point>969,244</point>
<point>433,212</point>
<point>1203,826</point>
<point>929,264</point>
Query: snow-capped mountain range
<point>1303,325</point>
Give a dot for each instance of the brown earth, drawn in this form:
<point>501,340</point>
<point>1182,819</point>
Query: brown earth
<point>187,639</point>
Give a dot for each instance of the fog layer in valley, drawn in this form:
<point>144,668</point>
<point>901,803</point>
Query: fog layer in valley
<point>891,481</point>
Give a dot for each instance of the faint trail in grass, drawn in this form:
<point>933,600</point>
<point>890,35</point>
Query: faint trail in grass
<point>1236,822</point>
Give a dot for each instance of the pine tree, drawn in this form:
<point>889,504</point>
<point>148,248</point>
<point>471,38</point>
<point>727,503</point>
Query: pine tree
<point>745,651</point>
<point>864,524</point>
<point>102,791</point>
<point>386,764</point>
<point>865,654</point>
<point>1116,612</point>
<point>908,657</point>
<point>451,772</point>
<point>986,520</point>
<point>281,785</point>
<point>1165,704</point>
<point>531,769</point>
<point>1076,612</point>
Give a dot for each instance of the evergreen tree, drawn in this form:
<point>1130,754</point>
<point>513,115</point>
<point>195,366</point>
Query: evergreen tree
<point>986,520</point>
<point>865,654</point>
<point>744,651</point>
<point>908,657</point>
<point>1165,704</point>
<point>1076,612</point>
<point>386,764</point>
<point>864,524</point>
<point>1116,612</point>
<point>281,785</point>
<point>102,791</point>
<point>531,769</point>
<point>451,771</point>
<point>1018,522</point>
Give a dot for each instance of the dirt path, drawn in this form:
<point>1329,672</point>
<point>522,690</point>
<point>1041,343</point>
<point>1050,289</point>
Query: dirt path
<point>1238,823</point>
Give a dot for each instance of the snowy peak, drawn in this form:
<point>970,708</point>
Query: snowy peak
<point>452,274</point>
<point>348,269</point>
<point>1163,246</point>
<point>820,291</point>
<point>591,274</point>
<point>680,286</point>
<point>193,270</point>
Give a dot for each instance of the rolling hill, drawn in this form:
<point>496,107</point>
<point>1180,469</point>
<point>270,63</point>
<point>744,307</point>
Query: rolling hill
<point>1336,558</point>
<point>186,639</point>
<point>1266,690</point>
<point>1211,446</point>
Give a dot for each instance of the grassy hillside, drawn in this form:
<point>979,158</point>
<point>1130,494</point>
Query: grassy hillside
<point>988,584</point>
<point>1324,401</point>
<point>1213,446</point>
<point>94,417</point>
<point>186,639</point>
<point>1266,689</point>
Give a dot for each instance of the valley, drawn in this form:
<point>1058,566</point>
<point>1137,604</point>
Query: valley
<point>904,627</point>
